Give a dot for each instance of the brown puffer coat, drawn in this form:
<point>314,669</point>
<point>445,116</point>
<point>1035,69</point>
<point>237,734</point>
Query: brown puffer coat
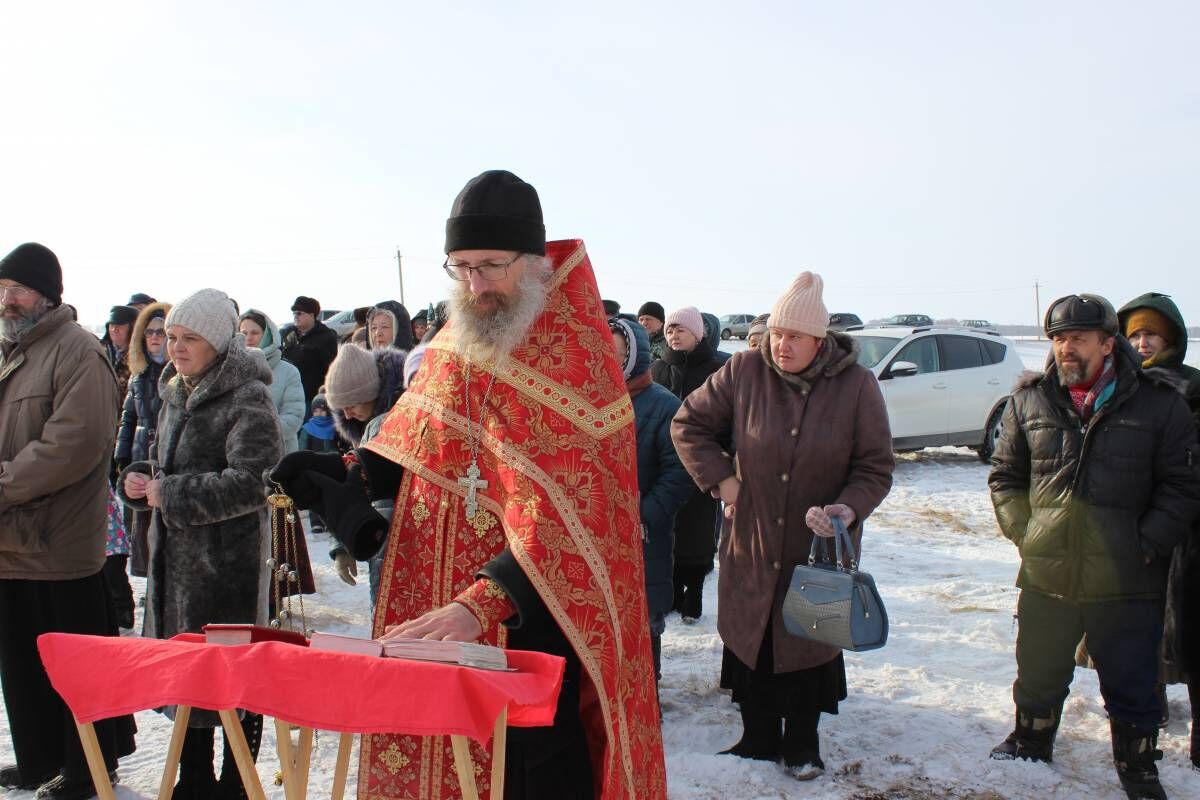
<point>58,400</point>
<point>811,439</point>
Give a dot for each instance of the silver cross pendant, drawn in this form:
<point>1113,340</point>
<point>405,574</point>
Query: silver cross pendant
<point>472,483</point>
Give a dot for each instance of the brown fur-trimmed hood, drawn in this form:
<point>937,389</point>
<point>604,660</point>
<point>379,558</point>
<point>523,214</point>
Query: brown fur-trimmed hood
<point>137,349</point>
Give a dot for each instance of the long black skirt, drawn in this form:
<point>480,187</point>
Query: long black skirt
<point>786,694</point>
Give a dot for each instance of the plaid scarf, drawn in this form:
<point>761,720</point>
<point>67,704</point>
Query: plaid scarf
<point>1089,400</point>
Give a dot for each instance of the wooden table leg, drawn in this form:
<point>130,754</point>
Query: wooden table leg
<point>465,767</point>
<point>343,765</point>
<point>167,787</point>
<point>287,759</point>
<point>499,743</point>
<point>95,760</point>
<point>241,753</point>
<point>304,761</point>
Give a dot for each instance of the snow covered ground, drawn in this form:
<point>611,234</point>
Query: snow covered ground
<point>922,712</point>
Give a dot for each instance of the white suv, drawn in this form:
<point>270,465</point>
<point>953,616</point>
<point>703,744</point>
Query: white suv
<point>943,386</point>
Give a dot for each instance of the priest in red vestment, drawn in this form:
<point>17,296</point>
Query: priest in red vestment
<point>509,471</point>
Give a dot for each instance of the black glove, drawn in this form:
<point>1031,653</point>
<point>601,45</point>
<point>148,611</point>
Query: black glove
<point>381,475</point>
<point>294,472</point>
<point>348,513</point>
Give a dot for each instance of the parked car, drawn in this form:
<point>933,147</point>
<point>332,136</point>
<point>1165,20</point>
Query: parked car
<point>736,325</point>
<point>341,322</point>
<point>909,320</point>
<point>840,321</point>
<point>943,386</point>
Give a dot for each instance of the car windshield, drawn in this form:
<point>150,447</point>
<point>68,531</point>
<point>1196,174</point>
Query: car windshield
<point>872,349</point>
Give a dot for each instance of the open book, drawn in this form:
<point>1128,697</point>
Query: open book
<point>467,654</point>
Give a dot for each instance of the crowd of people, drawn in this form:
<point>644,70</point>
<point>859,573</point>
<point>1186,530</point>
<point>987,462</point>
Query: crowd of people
<point>526,466</point>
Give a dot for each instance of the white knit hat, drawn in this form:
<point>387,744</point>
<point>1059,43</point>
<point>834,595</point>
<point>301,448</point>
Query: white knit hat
<point>352,378</point>
<point>208,312</point>
<point>689,319</point>
<point>801,307</point>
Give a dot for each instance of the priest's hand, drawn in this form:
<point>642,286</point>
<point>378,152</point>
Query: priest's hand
<point>294,471</point>
<point>452,621</point>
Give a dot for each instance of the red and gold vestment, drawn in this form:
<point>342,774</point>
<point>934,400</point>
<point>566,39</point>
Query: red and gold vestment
<point>559,455</point>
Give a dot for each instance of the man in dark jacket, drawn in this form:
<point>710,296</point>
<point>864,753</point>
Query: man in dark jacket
<point>1093,480</point>
<point>663,484</point>
<point>1154,326</point>
<point>310,346</point>
<point>653,317</point>
<point>58,405</point>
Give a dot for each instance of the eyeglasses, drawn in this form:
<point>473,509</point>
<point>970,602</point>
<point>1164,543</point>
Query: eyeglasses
<point>17,292</point>
<point>157,333</point>
<point>489,270</point>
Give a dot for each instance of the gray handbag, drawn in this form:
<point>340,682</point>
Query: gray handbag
<point>832,604</point>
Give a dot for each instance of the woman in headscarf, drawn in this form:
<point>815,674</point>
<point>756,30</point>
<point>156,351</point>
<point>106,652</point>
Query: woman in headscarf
<point>287,393</point>
<point>209,536</point>
<point>813,443</point>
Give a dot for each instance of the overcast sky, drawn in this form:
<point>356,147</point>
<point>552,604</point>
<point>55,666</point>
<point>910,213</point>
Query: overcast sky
<point>923,157</point>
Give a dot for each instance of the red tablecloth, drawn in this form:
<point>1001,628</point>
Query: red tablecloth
<point>106,676</point>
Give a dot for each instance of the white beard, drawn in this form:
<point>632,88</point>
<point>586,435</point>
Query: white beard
<point>491,335</point>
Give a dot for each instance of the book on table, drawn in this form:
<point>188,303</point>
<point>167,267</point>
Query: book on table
<point>225,633</point>
<point>467,654</point>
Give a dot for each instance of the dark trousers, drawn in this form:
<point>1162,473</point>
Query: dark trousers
<point>43,731</point>
<point>119,589</point>
<point>689,589</point>
<point>1123,638</point>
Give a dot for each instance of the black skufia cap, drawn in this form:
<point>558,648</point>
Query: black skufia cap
<point>35,265</point>
<point>1081,312</point>
<point>496,211</point>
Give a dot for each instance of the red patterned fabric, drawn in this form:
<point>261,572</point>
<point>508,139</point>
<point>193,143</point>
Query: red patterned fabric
<point>559,455</point>
<point>292,683</point>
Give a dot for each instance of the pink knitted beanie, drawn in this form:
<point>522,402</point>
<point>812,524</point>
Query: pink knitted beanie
<point>801,307</point>
<point>689,319</point>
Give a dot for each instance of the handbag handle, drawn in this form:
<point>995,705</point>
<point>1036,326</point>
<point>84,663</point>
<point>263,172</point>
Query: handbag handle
<point>841,539</point>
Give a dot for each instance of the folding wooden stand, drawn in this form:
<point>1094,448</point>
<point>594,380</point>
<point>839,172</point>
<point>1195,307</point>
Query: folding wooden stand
<point>295,760</point>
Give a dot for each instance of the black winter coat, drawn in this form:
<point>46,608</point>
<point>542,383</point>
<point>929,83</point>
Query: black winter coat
<point>699,521</point>
<point>311,353</point>
<point>1088,505</point>
<point>139,416</point>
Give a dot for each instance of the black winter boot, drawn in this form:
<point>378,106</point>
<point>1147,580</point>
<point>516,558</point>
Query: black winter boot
<point>1134,753</point>
<point>1032,739</point>
<point>197,781</point>
<point>802,747</point>
<point>230,786</point>
<point>1194,700</point>
<point>761,736</point>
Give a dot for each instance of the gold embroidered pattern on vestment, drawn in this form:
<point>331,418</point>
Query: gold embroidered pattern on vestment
<point>578,534</point>
<point>598,423</point>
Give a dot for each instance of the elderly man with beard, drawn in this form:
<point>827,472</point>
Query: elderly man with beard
<point>511,460</point>
<point>1094,480</point>
<point>58,402</point>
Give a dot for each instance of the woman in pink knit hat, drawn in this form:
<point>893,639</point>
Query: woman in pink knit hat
<point>811,442</point>
<point>684,367</point>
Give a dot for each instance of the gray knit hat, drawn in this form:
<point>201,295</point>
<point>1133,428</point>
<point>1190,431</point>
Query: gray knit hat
<point>352,378</point>
<point>208,312</point>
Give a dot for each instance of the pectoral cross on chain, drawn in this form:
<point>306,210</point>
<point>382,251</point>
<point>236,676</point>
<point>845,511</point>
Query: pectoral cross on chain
<point>472,483</point>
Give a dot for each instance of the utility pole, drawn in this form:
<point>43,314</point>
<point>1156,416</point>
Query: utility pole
<point>1037,305</point>
<point>400,269</point>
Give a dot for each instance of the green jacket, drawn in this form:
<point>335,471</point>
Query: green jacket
<point>1087,506</point>
<point>1171,359</point>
